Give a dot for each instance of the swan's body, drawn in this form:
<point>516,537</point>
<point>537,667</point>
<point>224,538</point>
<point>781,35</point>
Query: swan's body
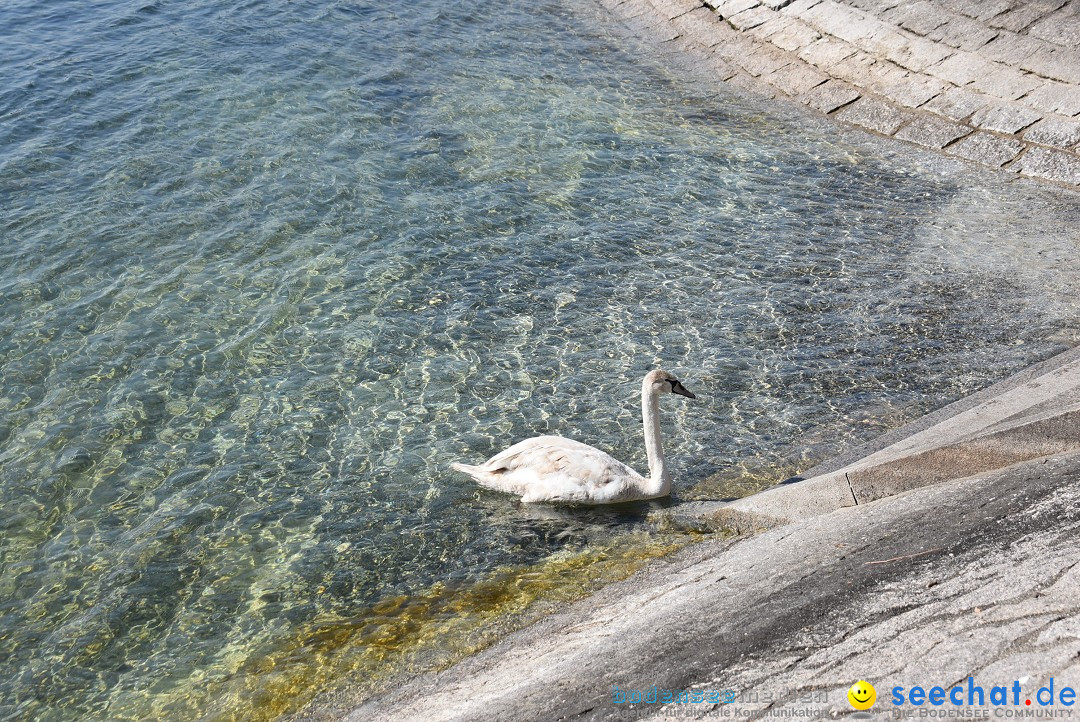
<point>552,468</point>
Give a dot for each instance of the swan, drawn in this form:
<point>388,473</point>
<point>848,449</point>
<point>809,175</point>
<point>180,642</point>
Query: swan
<point>553,468</point>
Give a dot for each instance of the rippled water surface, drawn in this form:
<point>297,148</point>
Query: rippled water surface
<point>267,267</point>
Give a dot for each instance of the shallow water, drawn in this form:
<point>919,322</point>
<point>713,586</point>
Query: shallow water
<point>268,267</point>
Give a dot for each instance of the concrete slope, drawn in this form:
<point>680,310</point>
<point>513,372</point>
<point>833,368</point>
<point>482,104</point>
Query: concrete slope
<point>979,576</point>
<point>1028,416</point>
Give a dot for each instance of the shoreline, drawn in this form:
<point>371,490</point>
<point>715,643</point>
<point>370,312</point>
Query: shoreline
<point>814,601</point>
<point>1000,90</point>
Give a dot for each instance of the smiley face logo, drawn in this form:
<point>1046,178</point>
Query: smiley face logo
<point>862,695</point>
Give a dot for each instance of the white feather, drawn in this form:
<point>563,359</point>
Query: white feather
<point>553,468</point>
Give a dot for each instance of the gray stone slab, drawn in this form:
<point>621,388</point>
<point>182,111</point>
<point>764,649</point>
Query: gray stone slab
<point>932,132</point>
<point>1060,28</point>
<point>911,89</point>
<point>957,103</point>
<point>798,7</point>
<point>748,82</point>
<point>858,69</point>
<point>633,9</point>
<point>962,68</point>
<point>1055,165</point>
<point>1012,49</point>
<point>986,148</point>
<point>777,4</point>
<point>918,53</point>
<point>1007,83</point>
<point>774,23</point>
<point>1061,64</point>
<point>981,10</point>
<point>827,52</point>
<point>703,26</point>
<point>963,33</point>
<point>874,115</point>
<point>734,7</point>
<point>674,8</point>
<point>830,95</point>
<point>735,46</point>
<point>721,69</point>
<point>844,22</point>
<point>1054,97</point>
<point>763,61</point>
<point>1020,16</point>
<point>796,78</point>
<point>750,18</point>
<point>920,17</point>
<point>874,7</point>
<point>795,36</point>
<point>1005,118</point>
<point>1057,131</point>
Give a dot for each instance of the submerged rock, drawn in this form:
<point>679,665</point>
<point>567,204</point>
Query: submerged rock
<point>74,459</point>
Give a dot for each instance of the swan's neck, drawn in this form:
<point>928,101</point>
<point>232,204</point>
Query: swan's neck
<point>659,481</point>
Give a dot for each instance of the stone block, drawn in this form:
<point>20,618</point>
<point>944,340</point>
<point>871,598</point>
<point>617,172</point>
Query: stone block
<point>1060,28</point>
<point>1057,131</point>
<point>633,9</point>
<point>748,82</point>
<point>932,132</point>
<point>727,8</point>
<point>957,103</point>
<point>844,22</point>
<point>795,36</point>
<point>703,26</point>
<point>874,115</point>
<point>910,89</point>
<point>1055,165</point>
<point>1020,16</point>
<point>857,69</point>
<point>830,95</point>
<point>1012,49</point>
<point>796,78</point>
<point>875,7</point>
<point>962,68</point>
<point>777,4</point>
<point>1054,97</point>
<point>735,46</point>
<point>981,10</point>
<point>799,7</point>
<point>963,33</point>
<point>763,61</point>
<point>749,19</point>
<point>1007,83</point>
<point>986,148</point>
<point>720,68</point>
<point>1061,64</point>
<point>774,23</point>
<point>920,17</point>
<point>918,53</point>
<point>827,52</point>
<point>1004,117</point>
<point>674,8</point>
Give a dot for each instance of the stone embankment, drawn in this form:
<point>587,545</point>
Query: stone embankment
<point>991,81</point>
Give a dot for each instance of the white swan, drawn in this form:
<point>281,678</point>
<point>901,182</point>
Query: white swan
<point>551,468</point>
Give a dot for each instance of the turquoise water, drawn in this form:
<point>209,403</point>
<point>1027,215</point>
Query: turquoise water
<point>267,267</point>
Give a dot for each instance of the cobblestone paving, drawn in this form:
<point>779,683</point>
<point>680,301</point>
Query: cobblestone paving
<point>991,81</point>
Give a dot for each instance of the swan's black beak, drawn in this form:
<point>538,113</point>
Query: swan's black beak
<point>678,388</point>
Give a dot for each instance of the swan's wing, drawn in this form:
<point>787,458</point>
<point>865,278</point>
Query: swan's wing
<point>555,468</point>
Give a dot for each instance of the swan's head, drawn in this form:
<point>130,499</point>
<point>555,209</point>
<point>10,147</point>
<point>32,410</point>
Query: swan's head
<point>664,383</point>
